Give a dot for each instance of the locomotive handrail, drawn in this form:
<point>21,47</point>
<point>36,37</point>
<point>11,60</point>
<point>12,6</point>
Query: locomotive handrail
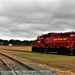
<point>72,43</point>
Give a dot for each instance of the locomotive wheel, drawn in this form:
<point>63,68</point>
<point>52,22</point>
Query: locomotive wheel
<point>63,51</point>
<point>58,51</point>
<point>33,49</point>
<point>66,51</point>
<point>42,50</point>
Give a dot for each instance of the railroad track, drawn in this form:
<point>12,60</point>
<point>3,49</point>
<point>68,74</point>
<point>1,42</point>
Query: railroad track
<point>12,66</point>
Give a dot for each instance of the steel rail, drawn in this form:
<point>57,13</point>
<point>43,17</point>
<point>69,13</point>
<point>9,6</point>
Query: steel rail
<point>28,67</point>
<point>24,64</point>
<point>13,71</point>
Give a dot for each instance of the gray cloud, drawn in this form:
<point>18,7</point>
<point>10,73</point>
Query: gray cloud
<point>26,19</point>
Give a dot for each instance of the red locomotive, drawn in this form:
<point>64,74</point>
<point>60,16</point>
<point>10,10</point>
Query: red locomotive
<point>62,43</point>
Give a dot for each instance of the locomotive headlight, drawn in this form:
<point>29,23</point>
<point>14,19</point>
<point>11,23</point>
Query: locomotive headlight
<point>38,41</point>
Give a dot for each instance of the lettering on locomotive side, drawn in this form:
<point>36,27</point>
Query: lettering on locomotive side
<point>59,39</point>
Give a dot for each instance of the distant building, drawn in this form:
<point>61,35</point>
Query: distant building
<point>10,44</point>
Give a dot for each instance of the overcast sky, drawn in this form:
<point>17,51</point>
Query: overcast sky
<point>26,19</point>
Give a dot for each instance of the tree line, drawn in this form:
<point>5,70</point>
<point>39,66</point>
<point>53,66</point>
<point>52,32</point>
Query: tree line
<point>16,42</point>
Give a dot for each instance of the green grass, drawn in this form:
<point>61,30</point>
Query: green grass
<point>55,61</point>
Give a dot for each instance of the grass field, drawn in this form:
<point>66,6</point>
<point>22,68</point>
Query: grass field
<point>56,61</point>
<point>27,48</point>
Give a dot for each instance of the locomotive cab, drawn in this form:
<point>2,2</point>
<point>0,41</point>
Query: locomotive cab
<point>38,45</point>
